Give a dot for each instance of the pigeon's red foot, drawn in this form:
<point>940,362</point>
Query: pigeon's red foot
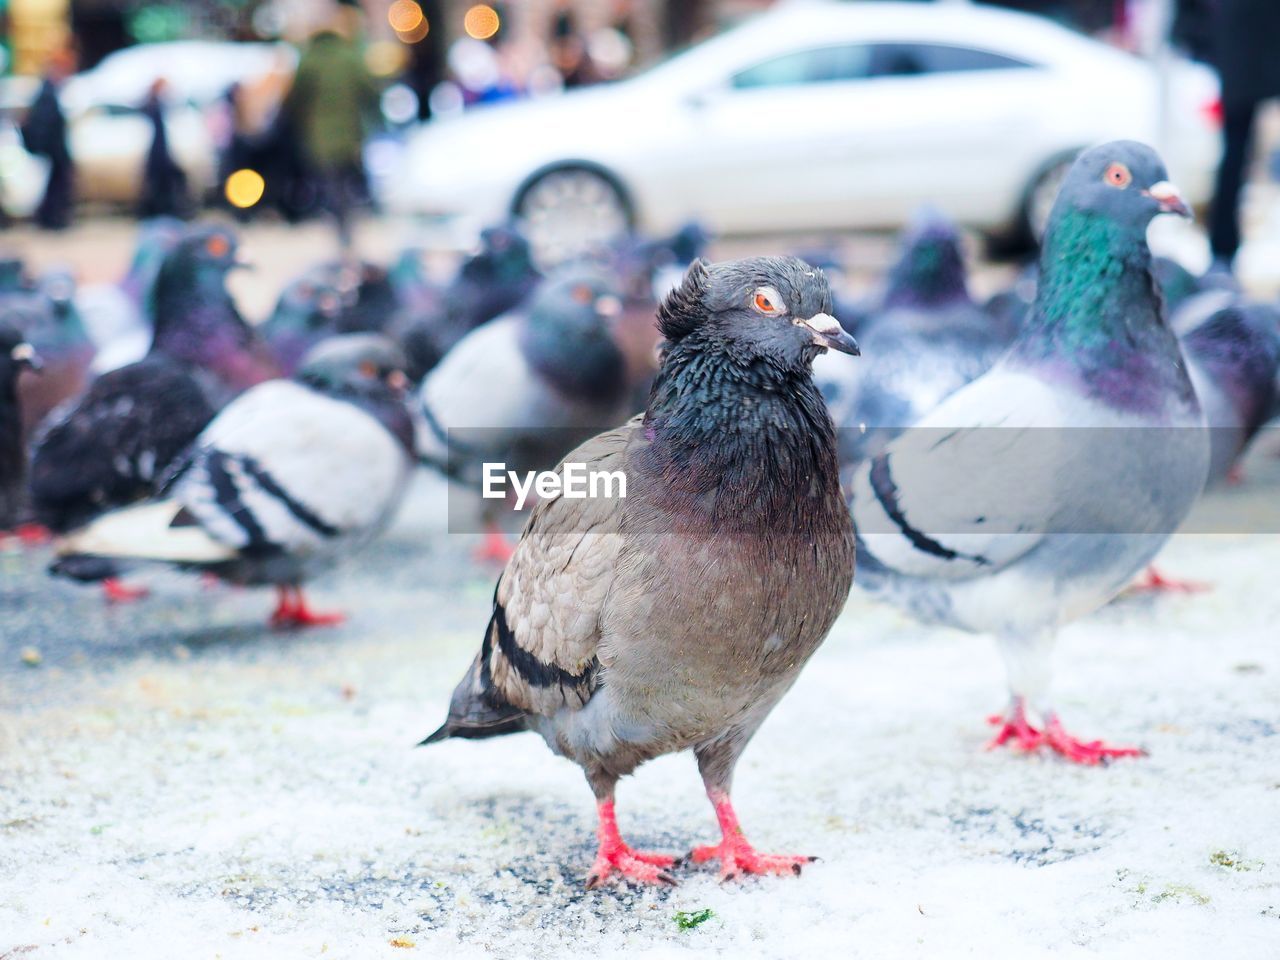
<point>1016,729</point>
<point>496,547</point>
<point>735,854</point>
<point>1153,581</point>
<point>116,591</point>
<point>615,857</point>
<point>26,535</point>
<point>292,612</point>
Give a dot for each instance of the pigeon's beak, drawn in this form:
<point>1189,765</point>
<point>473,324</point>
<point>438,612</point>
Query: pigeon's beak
<point>239,264</point>
<point>24,355</point>
<point>827,332</point>
<point>1169,198</point>
<point>608,306</point>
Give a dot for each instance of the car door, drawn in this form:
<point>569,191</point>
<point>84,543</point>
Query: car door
<point>766,149</point>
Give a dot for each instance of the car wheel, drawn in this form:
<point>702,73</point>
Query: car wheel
<point>571,210</point>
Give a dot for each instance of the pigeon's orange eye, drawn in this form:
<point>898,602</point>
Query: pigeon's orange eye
<point>218,245</point>
<point>368,369</point>
<point>1118,175</point>
<point>768,300</point>
<point>764,303</point>
<point>583,294</point>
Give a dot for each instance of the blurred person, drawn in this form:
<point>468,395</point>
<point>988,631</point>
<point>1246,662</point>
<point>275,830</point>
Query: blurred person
<point>1246,51</point>
<point>568,48</point>
<point>329,109</point>
<point>44,134</point>
<point>164,182</point>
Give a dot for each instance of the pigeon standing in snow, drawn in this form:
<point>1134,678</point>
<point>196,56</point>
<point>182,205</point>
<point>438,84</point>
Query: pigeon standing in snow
<point>15,356</point>
<point>927,339</point>
<point>290,478</point>
<point>676,618</point>
<point>525,389</point>
<point>1033,495</point>
<point>112,446</point>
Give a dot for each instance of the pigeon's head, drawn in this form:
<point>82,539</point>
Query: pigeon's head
<point>308,303</point>
<point>576,300</point>
<point>775,310</point>
<point>1124,181</point>
<point>201,258</point>
<point>363,363</point>
<point>504,254</point>
<point>15,354</point>
<point>930,268</point>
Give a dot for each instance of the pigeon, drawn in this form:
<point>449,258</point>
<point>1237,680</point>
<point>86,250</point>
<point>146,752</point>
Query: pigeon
<point>1233,356</point>
<point>118,316</point>
<point>927,339</point>
<point>306,313</point>
<point>47,318</point>
<point>113,445</point>
<point>676,617</point>
<point>493,281</point>
<point>16,354</point>
<point>196,321</point>
<point>1033,495</point>
<point>525,389</point>
<point>288,479</point>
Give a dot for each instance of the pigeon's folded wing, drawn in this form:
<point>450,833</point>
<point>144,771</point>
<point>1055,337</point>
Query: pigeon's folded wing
<point>969,488</point>
<point>540,651</point>
<point>284,467</point>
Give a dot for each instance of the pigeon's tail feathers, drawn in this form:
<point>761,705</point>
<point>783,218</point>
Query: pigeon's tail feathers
<point>475,713</point>
<point>163,532</point>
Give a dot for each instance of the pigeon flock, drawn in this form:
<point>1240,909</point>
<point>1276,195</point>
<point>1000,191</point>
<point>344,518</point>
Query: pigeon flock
<point>1003,467</point>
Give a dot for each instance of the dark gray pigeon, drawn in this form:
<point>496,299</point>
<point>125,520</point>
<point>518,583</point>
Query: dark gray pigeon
<point>1033,495</point>
<point>287,480</point>
<point>16,355</point>
<point>676,618</point>
<point>927,339</point>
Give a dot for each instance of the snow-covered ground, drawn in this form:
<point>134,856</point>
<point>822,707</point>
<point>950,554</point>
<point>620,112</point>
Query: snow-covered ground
<point>177,781</point>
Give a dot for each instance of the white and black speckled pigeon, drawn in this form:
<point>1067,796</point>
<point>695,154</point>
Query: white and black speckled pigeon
<point>1033,495</point>
<point>676,618</point>
<point>927,339</point>
<point>15,356</point>
<point>287,480</point>
<point>528,387</point>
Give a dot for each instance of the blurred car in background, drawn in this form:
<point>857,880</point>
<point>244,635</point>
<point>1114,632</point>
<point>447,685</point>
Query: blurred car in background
<point>817,115</point>
<point>109,137</point>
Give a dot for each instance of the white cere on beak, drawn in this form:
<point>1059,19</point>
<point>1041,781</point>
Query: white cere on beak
<point>1164,190</point>
<point>822,324</point>
<point>23,352</point>
<point>608,306</point>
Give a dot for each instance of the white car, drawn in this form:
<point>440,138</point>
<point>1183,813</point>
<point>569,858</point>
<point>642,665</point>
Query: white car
<point>817,115</point>
<point>108,136</point>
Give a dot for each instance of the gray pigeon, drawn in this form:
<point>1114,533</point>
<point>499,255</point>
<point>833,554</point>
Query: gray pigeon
<point>1033,495</point>
<point>528,387</point>
<point>290,477</point>
<point>676,617</point>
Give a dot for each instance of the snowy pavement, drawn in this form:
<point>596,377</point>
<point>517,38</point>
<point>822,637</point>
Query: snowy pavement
<point>177,781</point>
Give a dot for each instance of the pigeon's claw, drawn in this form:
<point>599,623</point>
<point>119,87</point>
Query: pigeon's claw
<point>735,853</point>
<point>116,591</point>
<point>496,547</point>
<point>292,612</point>
<point>615,857</point>
<point>738,857</point>
<point>1018,731</point>
<point>1153,581</point>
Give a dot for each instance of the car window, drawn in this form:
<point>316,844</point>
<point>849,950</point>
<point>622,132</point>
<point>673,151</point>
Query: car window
<point>820,65</point>
<point>913,59</point>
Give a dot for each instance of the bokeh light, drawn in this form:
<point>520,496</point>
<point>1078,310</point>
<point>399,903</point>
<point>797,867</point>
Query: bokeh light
<point>481,21</point>
<point>244,188</point>
<point>404,16</point>
<point>383,58</point>
<point>408,21</point>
